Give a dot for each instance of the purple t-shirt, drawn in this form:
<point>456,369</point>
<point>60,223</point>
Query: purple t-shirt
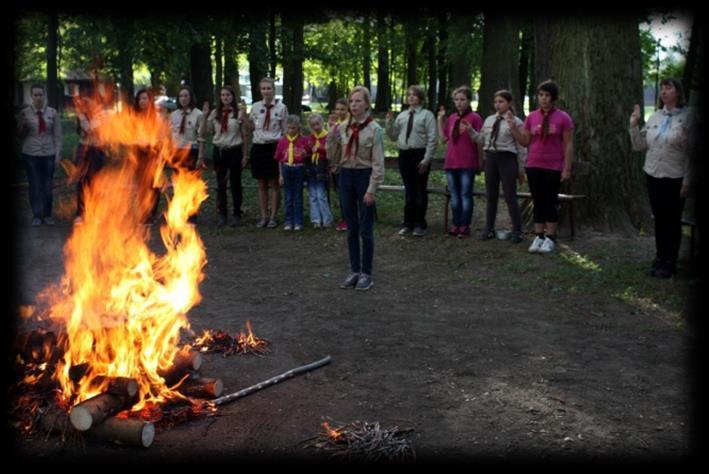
<point>547,154</point>
<point>463,154</point>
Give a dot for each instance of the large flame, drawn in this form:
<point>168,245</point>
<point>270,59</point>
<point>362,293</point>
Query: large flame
<point>121,303</point>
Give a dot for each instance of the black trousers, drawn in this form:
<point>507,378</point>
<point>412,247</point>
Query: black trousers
<point>667,208</point>
<point>227,164</point>
<point>415,185</point>
<point>544,185</point>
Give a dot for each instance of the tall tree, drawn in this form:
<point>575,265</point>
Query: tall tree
<point>257,56</point>
<point>432,70</point>
<point>292,43</point>
<point>218,64</point>
<point>201,66</point>
<point>525,51</point>
<point>442,64</point>
<point>500,68</point>
<point>599,91</point>
<point>124,38</point>
<point>383,97</point>
<point>231,62</point>
<point>460,50</point>
<point>411,28</point>
<point>52,92</point>
<point>272,54</point>
<point>367,52</point>
<point>691,58</point>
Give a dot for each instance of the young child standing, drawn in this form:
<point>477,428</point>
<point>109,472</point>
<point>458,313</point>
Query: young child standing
<point>291,154</point>
<point>317,172</point>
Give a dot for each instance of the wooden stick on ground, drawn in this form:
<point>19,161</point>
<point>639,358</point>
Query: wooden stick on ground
<point>272,381</point>
<point>129,431</point>
<point>202,387</point>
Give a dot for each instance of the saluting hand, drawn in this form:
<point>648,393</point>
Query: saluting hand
<point>205,108</point>
<point>510,119</point>
<point>441,112</point>
<point>635,116</point>
<point>390,116</point>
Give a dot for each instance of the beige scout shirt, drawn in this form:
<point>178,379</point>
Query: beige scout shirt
<point>277,123</point>
<point>665,136</point>
<point>424,132</point>
<point>231,137</point>
<point>88,127</point>
<point>370,152</point>
<point>504,142</point>
<point>193,122</point>
<point>46,143</point>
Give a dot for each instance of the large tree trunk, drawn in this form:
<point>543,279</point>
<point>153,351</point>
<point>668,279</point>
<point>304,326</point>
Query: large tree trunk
<point>411,28</point>
<point>691,60</point>
<point>367,52</point>
<point>125,38</point>
<point>432,71</point>
<point>292,41</point>
<point>231,63</point>
<point>52,91</point>
<point>258,57</point>
<point>459,51</point>
<point>542,55</point>
<point>525,51</point>
<point>500,69</point>
<point>442,65</point>
<point>201,68</point>
<point>383,97</point>
<point>272,53</point>
<point>599,91</point>
<point>219,65</point>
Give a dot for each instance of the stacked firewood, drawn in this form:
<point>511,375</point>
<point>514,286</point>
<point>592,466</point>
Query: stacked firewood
<point>105,416</point>
<point>222,341</point>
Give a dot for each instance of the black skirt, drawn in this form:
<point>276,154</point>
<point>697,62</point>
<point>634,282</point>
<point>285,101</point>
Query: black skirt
<point>263,163</point>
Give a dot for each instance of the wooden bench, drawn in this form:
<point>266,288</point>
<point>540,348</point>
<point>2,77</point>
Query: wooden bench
<point>437,165</point>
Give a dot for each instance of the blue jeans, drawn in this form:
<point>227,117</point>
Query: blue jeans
<point>40,175</point>
<point>293,177</point>
<point>460,184</point>
<point>319,207</point>
<point>353,185</point>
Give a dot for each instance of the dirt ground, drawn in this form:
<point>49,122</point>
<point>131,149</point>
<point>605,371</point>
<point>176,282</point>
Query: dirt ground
<point>472,344</point>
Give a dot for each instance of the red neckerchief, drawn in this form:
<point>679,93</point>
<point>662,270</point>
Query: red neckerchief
<point>184,121</point>
<point>42,123</point>
<point>225,118</point>
<point>354,138</point>
<point>456,127</point>
<point>267,119</point>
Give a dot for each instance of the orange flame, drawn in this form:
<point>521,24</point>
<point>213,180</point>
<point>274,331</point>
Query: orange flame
<point>334,434</point>
<point>122,304</point>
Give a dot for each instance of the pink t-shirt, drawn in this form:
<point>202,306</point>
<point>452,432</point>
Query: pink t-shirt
<point>301,150</point>
<point>547,154</point>
<point>463,154</point>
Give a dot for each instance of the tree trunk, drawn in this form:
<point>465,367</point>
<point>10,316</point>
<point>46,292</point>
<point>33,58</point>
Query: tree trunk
<point>383,97</point>
<point>218,63</point>
<point>231,63</point>
<point>126,41</point>
<point>459,51</point>
<point>272,54</point>
<point>599,91</point>
<point>524,62</point>
<point>201,69</point>
<point>52,85</point>
<point>500,64</point>
<point>292,42</point>
<point>432,71</point>
<point>332,96</point>
<point>367,52</point>
<point>443,65</point>
<point>411,39</point>
<point>542,51</point>
<point>258,57</point>
<point>691,60</point>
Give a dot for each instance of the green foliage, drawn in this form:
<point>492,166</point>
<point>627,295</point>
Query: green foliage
<point>31,46</point>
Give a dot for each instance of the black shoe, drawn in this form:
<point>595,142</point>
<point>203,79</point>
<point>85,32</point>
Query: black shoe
<point>664,270</point>
<point>350,281</point>
<point>487,235</point>
<point>653,268</point>
<point>235,221</point>
<point>517,237</point>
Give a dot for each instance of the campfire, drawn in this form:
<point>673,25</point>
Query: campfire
<point>222,341</point>
<point>113,323</point>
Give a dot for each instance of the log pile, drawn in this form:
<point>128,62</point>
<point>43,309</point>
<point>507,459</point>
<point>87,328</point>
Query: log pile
<point>222,341</point>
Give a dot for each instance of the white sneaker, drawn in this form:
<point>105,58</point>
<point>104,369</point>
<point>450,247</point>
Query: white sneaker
<point>547,246</point>
<point>536,244</point>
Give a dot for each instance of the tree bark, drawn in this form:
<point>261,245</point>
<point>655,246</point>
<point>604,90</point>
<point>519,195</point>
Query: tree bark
<point>231,63</point>
<point>411,39</point>
<point>443,65</point>
<point>126,50</point>
<point>599,91</point>
<point>292,41</point>
<point>201,69</point>
<point>93,411</point>
<point>258,57</point>
<point>691,60</point>
<point>367,52</point>
<point>524,62</point>
<point>127,431</point>
<point>52,44</point>
<point>272,53</point>
<point>383,96</point>
<point>500,64</point>
<point>218,65</point>
<point>432,70</point>
<point>459,51</point>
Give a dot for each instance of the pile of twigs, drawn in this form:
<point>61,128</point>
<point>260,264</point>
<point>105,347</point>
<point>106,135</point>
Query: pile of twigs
<point>365,441</point>
<point>222,341</point>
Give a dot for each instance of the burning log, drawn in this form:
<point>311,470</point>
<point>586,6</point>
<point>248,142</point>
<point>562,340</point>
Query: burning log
<point>202,387</point>
<point>77,372</point>
<point>272,381</point>
<point>184,362</point>
<point>128,431</point>
<point>39,345</point>
<point>96,409</point>
<point>54,419</point>
<point>123,386</point>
